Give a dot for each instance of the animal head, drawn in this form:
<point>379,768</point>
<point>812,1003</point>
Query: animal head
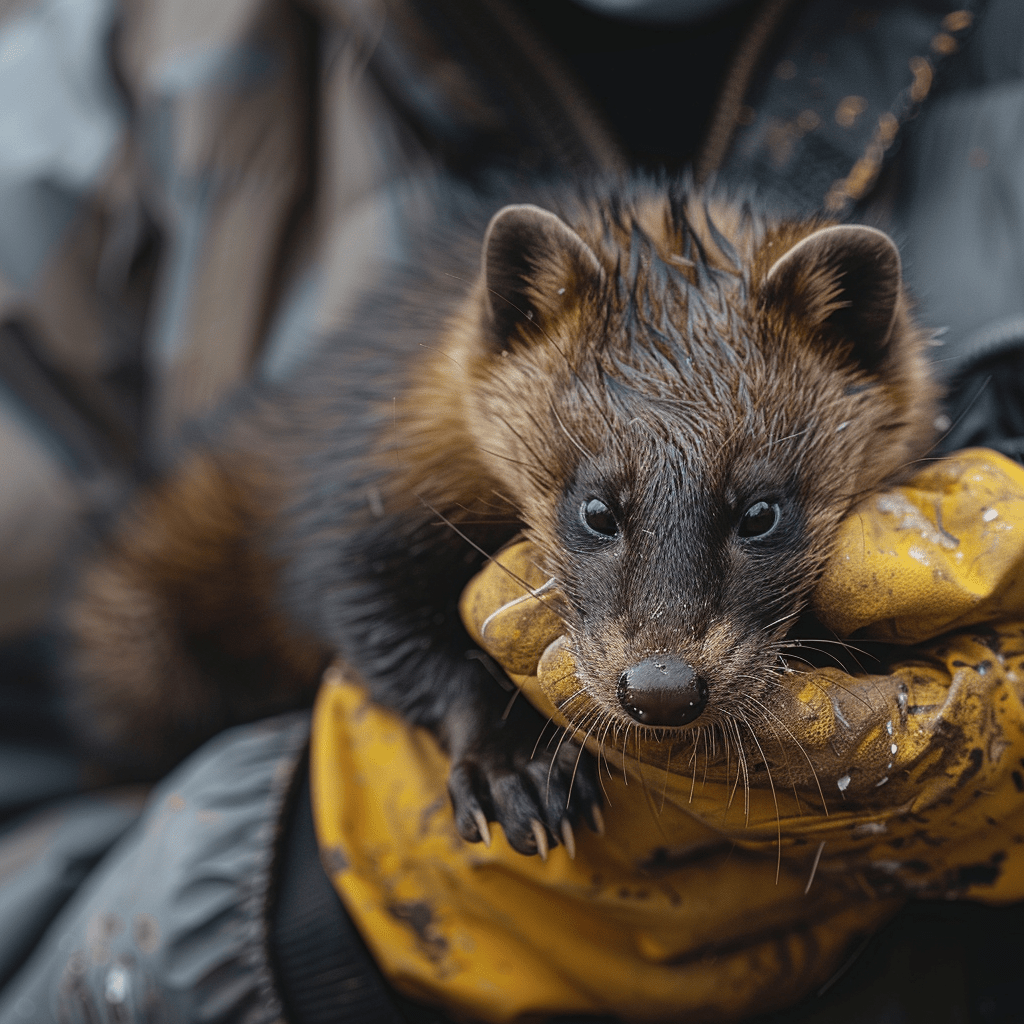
<point>683,400</point>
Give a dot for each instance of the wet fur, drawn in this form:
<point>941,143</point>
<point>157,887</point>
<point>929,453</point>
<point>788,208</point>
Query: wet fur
<point>654,364</point>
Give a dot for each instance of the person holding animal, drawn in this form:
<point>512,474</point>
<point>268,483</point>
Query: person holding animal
<point>677,392</point>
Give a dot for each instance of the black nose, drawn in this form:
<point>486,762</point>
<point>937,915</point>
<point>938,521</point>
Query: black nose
<point>662,691</point>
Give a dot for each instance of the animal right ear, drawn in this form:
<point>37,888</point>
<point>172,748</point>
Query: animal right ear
<point>845,281</point>
<point>535,268</point>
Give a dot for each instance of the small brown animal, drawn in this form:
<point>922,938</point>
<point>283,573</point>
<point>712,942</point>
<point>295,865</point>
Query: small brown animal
<point>676,396</point>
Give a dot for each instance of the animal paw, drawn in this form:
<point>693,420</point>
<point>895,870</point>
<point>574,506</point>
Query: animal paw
<point>536,796</point>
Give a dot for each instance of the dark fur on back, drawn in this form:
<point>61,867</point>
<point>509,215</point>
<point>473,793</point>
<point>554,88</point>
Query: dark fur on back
<point>676,357</point>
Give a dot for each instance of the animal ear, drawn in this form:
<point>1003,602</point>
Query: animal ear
<point>844,280</point>
<point>534,267</point>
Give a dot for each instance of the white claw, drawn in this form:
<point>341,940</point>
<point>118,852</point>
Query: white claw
<point>568,839</point>
<point>598,818</point>
<point>541,837</point>
<point>481,827</point>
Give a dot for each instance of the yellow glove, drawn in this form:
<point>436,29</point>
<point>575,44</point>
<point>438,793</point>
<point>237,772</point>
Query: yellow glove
<point>718,890</point>
<point>914,780</point>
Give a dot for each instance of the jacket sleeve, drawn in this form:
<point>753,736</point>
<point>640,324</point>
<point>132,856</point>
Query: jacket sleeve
<point>172,925</point>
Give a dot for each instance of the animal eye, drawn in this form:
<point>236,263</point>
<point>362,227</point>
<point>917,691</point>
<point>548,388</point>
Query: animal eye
<point>598,518</point>
<point>760,519</point>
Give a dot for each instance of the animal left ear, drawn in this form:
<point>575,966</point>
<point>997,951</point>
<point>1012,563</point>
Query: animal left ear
<point>846,282</point>
<point>534,268</point>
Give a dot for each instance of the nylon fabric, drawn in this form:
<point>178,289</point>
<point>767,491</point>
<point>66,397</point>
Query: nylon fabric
<point>172,925</point>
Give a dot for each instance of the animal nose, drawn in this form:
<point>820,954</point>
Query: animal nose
<point>662,691</point>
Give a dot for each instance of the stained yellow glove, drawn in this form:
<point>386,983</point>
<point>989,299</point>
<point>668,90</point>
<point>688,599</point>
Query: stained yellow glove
<point>914,779</point>
<point>716,891</point>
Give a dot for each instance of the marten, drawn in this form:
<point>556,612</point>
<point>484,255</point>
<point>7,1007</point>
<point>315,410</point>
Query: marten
<point>676,395</point>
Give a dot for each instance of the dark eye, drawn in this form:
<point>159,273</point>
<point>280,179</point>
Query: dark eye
<point>598,518</point>
<point>760,519</point>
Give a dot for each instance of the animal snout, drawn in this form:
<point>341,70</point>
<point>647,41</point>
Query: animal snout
<point>662,691</point>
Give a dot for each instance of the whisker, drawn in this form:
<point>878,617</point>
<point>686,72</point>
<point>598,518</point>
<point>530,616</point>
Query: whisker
<point>576,766</point>
<point>693,761</point>
<point>601,754</point>
<point>490,558</point>
<point>797,744</point>
<point>572,440</point>
<point>811,645</point>
<point>512,700</point>
<point>775,799</point>
<point>778,440</point>
<point>809,676</point>
<point>540,736</point>
<point>554,757</point>
<point>507,458</point>
<point>668,767</point>
<point>540,466</point>
<point>551,764</point>
<point>814,867</point>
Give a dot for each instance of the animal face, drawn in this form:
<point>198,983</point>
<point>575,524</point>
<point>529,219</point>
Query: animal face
<point>682,416</point>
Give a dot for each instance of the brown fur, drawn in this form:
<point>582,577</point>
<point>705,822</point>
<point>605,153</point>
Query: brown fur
<point>550,407</point>
<point>675,355</point>
<point>177,626</point>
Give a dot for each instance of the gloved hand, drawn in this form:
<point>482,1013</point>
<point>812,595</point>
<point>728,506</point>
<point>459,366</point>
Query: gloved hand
<point>913,780</point>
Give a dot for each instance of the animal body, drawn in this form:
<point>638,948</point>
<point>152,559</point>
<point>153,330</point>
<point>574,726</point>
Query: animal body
<point>675,395</point>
